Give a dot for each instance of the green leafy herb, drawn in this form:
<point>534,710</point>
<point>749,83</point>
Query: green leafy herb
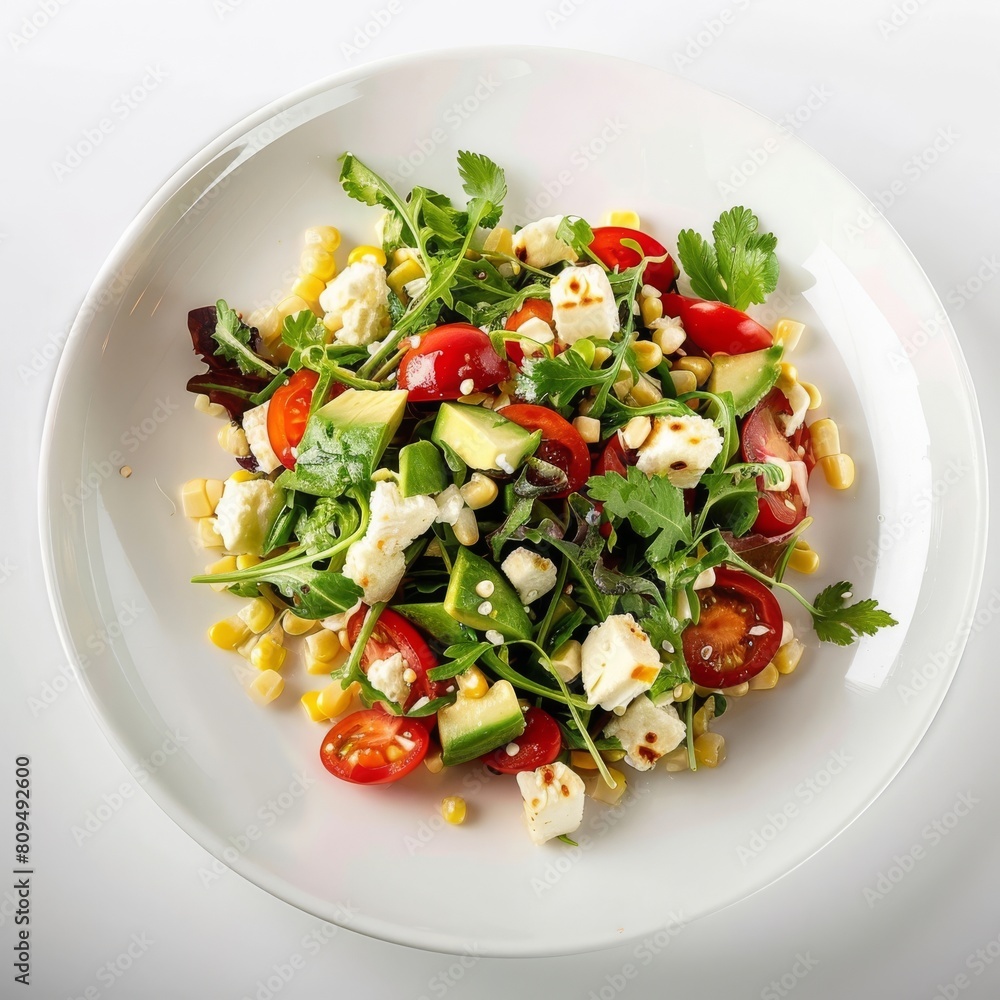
<point>835,622</point>
<point>233,337</point>
<point>462,656</point>
<point>317,593</point>
<point>300,332</point>
<point>483,181</point>
<point>576,232</point>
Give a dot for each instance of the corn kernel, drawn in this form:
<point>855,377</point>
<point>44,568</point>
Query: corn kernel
<point>645,392</point>
<point>229,633</point>
<point>602,793</point>
<point>227,564</point>
<point>601,354</point>
<point>407,270</point>
<point>310,703</point>
<point>684,381</point>
<point>194,499</point>
<point>838,470</point>
<point>433,762</point>
<point>825,437</point>
<point>480,491</point>
<point>647,354</point>
<point>203,404</point>
<point>709,749</point>
<point>323,645</point>
<point>366,252</point>
<point>499,240</point>
<point>233,440</point>
<point>804,561</point>
<point>635,432</point>
<point>213,491</point>
<point>325,237</point>
<point>309,288</point>
<point>268,654</point>
<point>788,372</point>
<point>294,625</point>
<point>241,476</point>
<point>453,809</point>
<point>683,691</point>
<point>624,217</point>
<point>466,528</point>
<point>314,666</point>
<point>335,699</point>
<point>291,305</point>
<point>701,368</point>
<point>787,333</point>
<point>208,533</point>
<point>472,683</point>
<point>766,679</point>
<point>582,759</point>
<point>266,686</point>
<point>318,263</point>
<point>676,760</point>
<point>788,656</point>
<point>702,718</point>
<point>257,615</point>
<point>737,690</point>
<point>815,396</point>
<point>247,560</point>
<point>589,428</point>
<point>651,309</point>
<point>266,322</point>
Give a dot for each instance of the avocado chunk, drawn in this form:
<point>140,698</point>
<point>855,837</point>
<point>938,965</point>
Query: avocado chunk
<point>483,439</point>
<point>344,441</point>
<point>506,612</point>
<point>474,726</point>
<point>749,377</point>
<point>421,470</point>
<point>434,620</point>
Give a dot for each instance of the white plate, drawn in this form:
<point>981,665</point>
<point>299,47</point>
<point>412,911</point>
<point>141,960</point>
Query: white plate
<point>577,133</point>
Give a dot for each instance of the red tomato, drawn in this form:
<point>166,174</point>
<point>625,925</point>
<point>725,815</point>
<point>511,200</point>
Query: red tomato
<point>561,444</point>
<point>288,413</point>
<point>532,309</point>
<point>715,327</point>
<point>725,648</point>
<point>356,748</point>
<point>760,439</point>
<point>614,458</point>
<point>607,247</point>
<point>394,634</point>
<point>447,357</point>
<point>539,744</point>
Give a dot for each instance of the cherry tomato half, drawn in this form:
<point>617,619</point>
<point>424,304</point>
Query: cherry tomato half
<point>287,414</point>
<point>447,358</point>
<point>539,744</point>
<point>715,327</point>
<point>532,309</point>
<point>357,749</point>
<point>394,634</point>
<point>607,247</point>
<point>760,440</point>
<point>561,444</point>
<point>737,634</point>
<point>614,458</point>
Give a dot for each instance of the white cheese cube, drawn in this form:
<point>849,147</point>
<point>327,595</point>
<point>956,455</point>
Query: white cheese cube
<point>583,304</point>
<point>536,244</point>
<point>255,428</point>
<point>553,801</point>
<point>245,513</point>
<point>680,448</point>
<point>618,662</point>
<point>387,676</point>
<point>359,299</point>
<point>646,732</point>
<point>531,574</point>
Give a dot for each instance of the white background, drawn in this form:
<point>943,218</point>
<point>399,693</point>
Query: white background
<point>886,80</point>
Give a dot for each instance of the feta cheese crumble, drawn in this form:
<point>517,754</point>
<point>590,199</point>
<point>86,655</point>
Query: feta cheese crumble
<point>553,801</point>
<point>646,732</point>
<point>537,245</point>
<point>583,304</point>
<point>531,574</point>
<point>358,298</point>
<point>680,448</point>
<point>245,513</point>
<point>618,663</point>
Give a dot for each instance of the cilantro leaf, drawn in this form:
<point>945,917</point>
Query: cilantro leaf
<point>842,625</point>
<point>576,233</point>
<point>233,337</point>
<point>484,182</point>
<point>741,268</point>
<point>364,185</point>
<point>560,379</point>
<point>301,331</point>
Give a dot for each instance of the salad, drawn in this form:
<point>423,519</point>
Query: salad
<point>514,495</point>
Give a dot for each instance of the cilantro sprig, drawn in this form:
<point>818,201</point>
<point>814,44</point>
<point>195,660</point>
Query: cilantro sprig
<point>842,624</point>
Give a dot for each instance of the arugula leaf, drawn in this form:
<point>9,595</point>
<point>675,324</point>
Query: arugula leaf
<point>484,182</point>
<point>842,625</point>
<point>736,491</point>
<point>233,337</point>
<point>520,514</point>
<point>329,520</point>
<point>741,268</point>
<point>573,739</point>
<point>317,593</point>
<point>364,185</point>
<point>463,655</point>
<point>431,707</point>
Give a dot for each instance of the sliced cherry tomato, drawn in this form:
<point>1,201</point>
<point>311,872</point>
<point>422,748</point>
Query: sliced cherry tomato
<point>357,749</point>
<point>532,309</point>
<point>287,414</point>
<point>539,744</point>
<point>738,631</point>
<point>447,358</point>
<point>715,327</point>
<point>614,458</point>
<point>561,444</point>
<point>394,634</point>
<point>761,440</point>
<point>607,247</point>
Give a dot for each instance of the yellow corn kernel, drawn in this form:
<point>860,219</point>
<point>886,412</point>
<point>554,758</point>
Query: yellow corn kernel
<point>247,560</point>
<point>766,679</point>
<point>624,386</point>
<point>838,470</point>
<point>601,354</point>
<point>647,354</point>
<point>709,749</point>
<point>683,691</point>
<point>266,686</point>
<point>703,717</point>
<point>676,760</point>
<point>403,253</point>
<point>589,428</point>
<point>407,270</point>
<point>291,305</point>
<point>453,809</point>
<point>737,690</point>
<point>635,432</point>
<point>581,759</point>
<point>258,615</point>
<point>314,666</point>
<point>325,237</point>
<point>323,645</point>
<point>499,240</point>
<point>788,372</point>
<point>645,392</point>
<point>788,656</point>
<point>241,476</point>
<point>213,490</point>
<point>227,564</point>
<point>815,396</point>
<point>266,321</point>
<point>602,793</point>
<point>233,440</point>
<point>650,309</point>
<point>472,683</point>
<point>787,333</point>
<point>701,368</point>
<point>433,762</point>
<point>684,381</point>
<point>318,263</point>
<point>229,633</point>
<point>194,499</point>
<point>203,404</point>
<point>268,654</point>
<point>624,217</point>
<point>335,699</point>
<point>294,625</point>
<point>310,703</point>
<point>480,491</point>
<point>394,752</point>
<point>310,288</point>
<point>366,252</point>
<point>825,437</point>
<point>466,528</point>
<point>804,561</point>
<point>208,533</point>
